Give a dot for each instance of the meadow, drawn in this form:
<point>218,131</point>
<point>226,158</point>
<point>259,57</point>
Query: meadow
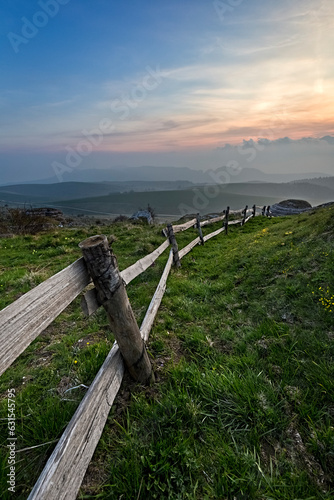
<point>242,349</point>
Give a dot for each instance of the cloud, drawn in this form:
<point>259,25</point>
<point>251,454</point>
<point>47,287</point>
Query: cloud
<point>262,80</point>
<point>282,155</point>
<point>285,141</point>
<point>281,142</point>
<point>329,139</point>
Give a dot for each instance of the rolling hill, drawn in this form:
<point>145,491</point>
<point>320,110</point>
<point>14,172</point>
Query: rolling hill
<point>166,197</point>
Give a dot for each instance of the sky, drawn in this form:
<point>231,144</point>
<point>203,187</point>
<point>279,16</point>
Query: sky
<point>97,84</point>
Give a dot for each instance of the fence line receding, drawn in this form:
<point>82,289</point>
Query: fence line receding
<point>23,320</point>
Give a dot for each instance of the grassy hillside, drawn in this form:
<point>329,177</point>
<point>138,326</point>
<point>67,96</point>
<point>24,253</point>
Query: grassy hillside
<point>242,348</point>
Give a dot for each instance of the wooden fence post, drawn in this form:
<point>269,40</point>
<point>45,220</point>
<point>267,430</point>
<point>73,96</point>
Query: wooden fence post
<point>264,210</point>
<point>173,242</point>
<point>102,266</point>
<point>227,213</point>
<point>245,213</point>
<point>254,211</point>
<point>198,225</point>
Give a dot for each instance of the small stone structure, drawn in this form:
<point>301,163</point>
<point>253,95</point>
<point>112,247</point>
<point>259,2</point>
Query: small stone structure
<point>142,214</point>
<point>53,213</point>
<point>290,207</point>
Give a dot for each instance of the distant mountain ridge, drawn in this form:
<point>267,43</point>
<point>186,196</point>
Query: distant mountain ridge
<point>164,174</point>
<point>327,182</point>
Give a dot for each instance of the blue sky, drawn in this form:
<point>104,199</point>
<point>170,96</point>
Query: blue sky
<point>171,82</point>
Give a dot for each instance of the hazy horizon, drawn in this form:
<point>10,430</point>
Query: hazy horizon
<point>283,156</point>
<point>196,85</point>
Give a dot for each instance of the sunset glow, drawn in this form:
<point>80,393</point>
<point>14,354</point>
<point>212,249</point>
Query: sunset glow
<point>171,78</point>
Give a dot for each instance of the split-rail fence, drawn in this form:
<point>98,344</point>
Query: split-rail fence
<point>23,320</point>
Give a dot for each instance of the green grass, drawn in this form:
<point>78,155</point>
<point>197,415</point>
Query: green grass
<point>242,348</point>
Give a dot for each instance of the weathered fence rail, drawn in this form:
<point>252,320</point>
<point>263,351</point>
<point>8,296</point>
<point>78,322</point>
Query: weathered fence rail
<point>63,474</point>
<point>156,300</point>
<point>22,321</point>
<point>141,265</point>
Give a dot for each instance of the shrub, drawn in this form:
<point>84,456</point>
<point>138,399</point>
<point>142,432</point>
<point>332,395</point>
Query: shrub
<point>152,212</point>
<point>121,218</point>
<point>23,221</point>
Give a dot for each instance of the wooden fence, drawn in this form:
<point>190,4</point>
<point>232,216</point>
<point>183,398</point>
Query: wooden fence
<point>23,320</point>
